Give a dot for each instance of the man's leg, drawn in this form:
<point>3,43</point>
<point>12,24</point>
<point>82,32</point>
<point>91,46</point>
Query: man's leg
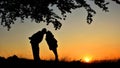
<point>35,50</point>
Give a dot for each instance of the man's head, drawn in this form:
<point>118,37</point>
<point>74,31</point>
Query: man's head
<point>44,30</point>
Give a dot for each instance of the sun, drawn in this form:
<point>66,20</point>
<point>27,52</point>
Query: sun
<point>87,59</point>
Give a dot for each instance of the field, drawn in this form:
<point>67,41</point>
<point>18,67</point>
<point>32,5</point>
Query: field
<point>14,61</point>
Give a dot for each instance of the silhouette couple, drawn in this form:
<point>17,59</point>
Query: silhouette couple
<point>36,38</point>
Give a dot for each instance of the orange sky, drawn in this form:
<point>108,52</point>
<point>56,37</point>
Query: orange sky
<point>76,39</point>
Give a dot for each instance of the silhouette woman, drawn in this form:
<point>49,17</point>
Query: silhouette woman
<point>35,39</point>
<point>52,43</point>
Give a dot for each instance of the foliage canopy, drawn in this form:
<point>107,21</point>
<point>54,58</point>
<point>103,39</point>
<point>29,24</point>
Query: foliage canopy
<point>39,10</point>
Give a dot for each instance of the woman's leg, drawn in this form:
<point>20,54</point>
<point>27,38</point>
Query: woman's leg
<point>56,54</point>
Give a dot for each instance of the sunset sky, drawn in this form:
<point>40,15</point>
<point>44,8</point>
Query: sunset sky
<point>76,39</point>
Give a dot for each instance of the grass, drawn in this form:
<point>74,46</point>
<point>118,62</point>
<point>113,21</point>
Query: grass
<point>14,61</point>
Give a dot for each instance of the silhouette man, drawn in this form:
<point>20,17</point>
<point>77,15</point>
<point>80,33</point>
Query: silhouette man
<point>35,39</point>
<point>52,43</point>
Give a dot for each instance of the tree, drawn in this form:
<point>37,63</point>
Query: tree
<point>39,10</point>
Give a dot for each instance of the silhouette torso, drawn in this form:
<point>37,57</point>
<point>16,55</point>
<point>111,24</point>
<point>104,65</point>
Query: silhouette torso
<point>51,41</point>
<point>37,37</point>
